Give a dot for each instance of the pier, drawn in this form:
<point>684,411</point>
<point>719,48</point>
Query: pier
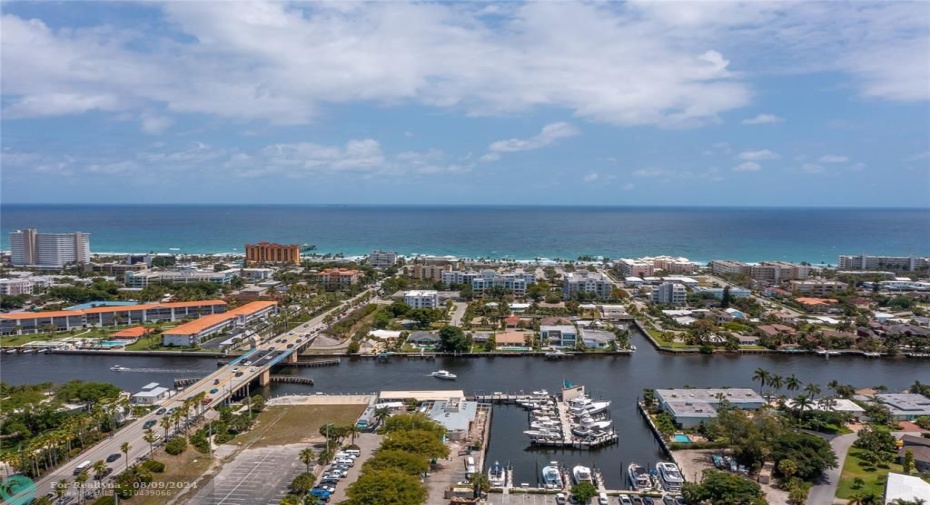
<point>287,379</point>
<point>313,364</point>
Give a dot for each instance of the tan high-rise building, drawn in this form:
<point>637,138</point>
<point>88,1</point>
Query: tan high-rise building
<point>266,253</point>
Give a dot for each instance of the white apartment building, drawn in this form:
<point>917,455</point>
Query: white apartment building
<point>422,299</point>
<point>141,279</point>
<point>864,262</point>
<point>735,292</point>
<point>382,259</point>
<point>766,271</point>
<point>584,281</point>
<point>15,287</point>
<point>670,294</point>
<point>31,248</point>
<point>515,281</point>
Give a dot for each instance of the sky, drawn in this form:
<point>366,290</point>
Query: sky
<point>705,103</point>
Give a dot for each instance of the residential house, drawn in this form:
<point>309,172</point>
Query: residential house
<point>510,339</point>
<point>424,339</point>
<point>596,339</point>
<point>558,335</point>
<point>338,278</point>
<point>692,407</point>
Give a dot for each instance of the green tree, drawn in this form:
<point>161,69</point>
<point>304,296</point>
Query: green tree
<point>723,488</point>
<point>480,483</point>
<point>726,299</point>
<point>410,422</point>
<point>583,492</point>
<point>762,376</point>
<point>303,483</point>
<point>417,442</point>
<point>812,455</point>
<point>307,457</point>
<point>453,339</point>
<point>908,464</point>
<point>386,487</point>
<point>413,464</point>
<point>788,468</point>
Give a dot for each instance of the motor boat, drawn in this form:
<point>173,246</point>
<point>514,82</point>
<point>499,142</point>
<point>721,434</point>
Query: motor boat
<point>639,477</point>
<point>444,375</point>
<point>497,476</point>
<point>27,351</point>
<point>117,368</point>
<point>582,474</point>
<point>551,476</point>
<point>591,424</point>
<point>670,475</point>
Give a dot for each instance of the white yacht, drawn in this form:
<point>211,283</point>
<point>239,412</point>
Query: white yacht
<point>582,474</point>
<point>117,368</point>
<point>551,476</point>
<point>639,477</point>
<point>591,424</point>
<point>497,475</point>
<point>444,375</point>
<point>670,475</point>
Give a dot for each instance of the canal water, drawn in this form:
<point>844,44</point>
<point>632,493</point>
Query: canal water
<point>620,379</point>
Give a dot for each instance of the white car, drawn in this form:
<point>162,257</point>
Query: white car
<point>602,499</point>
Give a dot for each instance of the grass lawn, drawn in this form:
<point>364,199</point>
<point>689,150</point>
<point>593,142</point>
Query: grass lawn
<point>657,335</point>
<point>854,467</point>
<point>180,470</point>
<point>296,423</point>
<point>17,340</point>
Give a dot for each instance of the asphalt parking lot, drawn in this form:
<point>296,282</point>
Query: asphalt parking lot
<point>254,477</point>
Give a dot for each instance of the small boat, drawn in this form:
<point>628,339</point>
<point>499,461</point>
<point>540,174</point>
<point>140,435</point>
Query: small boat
<point>496,475</point>
<point>42,351</point>
<point>670,475</point>
<point>174,248</point>
<point>582,474</point>
<point>444,375</point>
<point>551,476</point>
<point>639,477</point>
<point>117,368</point>
<point>27,351</point>
<point>556,354</point>
<point>11,351</point>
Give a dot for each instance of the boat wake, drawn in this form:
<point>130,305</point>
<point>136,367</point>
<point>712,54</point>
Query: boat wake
<point>161,370</point>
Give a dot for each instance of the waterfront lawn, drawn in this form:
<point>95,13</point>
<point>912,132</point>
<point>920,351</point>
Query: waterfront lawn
<point>659,337</point>
<point>17,340</point>
<point>855,467</point>
<point>290,424</point>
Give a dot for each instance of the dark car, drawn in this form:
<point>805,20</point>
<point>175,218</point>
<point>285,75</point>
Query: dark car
<point>213,391</point>
<point>148,424</point>
<point>647,500</point>
<point>113,457</point>
<point>668,500</point>
<point>160,411</point>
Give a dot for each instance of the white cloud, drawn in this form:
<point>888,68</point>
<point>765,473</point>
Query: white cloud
<point>764,154</point>
<point>650,172</point>
<point>833,158</point>
<point>154,124</point>
<point>281,62</point>
<point>592,177</point>
<point>355,155</point>
<point>763,119</point>
<point>747,166</point>
<point>812,168</point>
<point>856,166</point>
<point>489,157</point>
<point>918,157</point>
<point>549,134</point>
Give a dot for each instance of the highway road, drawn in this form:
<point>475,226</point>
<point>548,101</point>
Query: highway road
<point>216,386</point>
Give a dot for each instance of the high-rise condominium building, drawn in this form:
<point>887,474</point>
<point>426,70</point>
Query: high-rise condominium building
<point>31,248</point>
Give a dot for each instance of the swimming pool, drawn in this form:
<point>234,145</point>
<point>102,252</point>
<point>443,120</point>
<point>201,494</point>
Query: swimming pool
<point>681,438</point>
<point>111,343</point>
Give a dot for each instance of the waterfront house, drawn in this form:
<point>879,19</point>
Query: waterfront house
<point>510,339</point>
<point>151,394</point>
<point>423,339</point>
<point>511,322</point>
<point>596,339</point>
<point>562,335</point>
<point>905,487</point>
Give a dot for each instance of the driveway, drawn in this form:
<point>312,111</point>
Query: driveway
<point>823,492</point>
<point>458,310</point>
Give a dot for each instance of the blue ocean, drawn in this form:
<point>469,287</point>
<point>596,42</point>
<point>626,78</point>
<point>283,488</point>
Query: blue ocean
<point>702,234</point>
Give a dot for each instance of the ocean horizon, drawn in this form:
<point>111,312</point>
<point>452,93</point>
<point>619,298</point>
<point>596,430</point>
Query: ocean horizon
<point>523,232</point>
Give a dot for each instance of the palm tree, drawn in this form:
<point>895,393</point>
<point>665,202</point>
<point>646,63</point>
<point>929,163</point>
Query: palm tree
<point>100,468</point>
<point>60,488</point>
<point>352,431</point>
<point>762,376</point>
<point>792,383</point>
<point>802,402</point>
<point>80,480</point>
<point>381,414</point>
<point>125,450</point>
<point>307,457</point>
<point>812,389</point>
<point>776,381</point>
<point>834,385</point>
<point>150,438</point>
<point>166,424</point>
<point>480,483</point>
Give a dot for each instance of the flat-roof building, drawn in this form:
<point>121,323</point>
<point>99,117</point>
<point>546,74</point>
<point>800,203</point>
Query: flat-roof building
<point>151,394</point>
<point>691,407</point>
<point>905,406</point>
<point>455,415</point>
<point>382,259</point>
<point>865,262</point>
<point>905,487</point>
<point>32,248</point>
<point>583,281</point>
<point>198,330</point>
<point>62,320</point>
<point>422,299</point>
